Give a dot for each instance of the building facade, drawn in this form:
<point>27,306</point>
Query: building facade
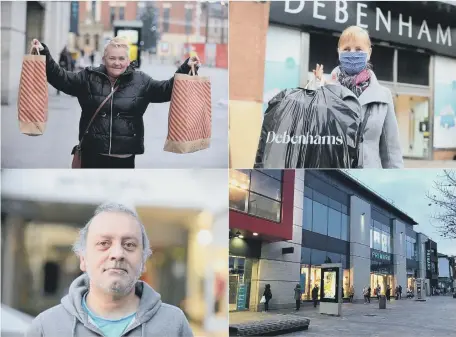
<point>92,22</point>
<point>335,219</point>
<point>21,22</point>
<point>423,91</point>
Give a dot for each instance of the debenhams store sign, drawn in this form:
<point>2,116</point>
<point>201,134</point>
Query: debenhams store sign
<point>384,21</point>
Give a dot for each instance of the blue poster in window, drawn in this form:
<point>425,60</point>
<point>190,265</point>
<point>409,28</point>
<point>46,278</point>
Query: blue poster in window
<point>282,68</point>
<point>445,103</point>
<point>241,296</point>
<point>74,18</point>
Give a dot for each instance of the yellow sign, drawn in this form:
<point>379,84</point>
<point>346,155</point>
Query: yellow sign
<point>133,52</point>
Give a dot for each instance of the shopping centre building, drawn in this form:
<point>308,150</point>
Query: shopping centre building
<point>285,224</point>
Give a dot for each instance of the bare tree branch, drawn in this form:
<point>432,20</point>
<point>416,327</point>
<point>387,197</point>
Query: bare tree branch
<point>443,195</point>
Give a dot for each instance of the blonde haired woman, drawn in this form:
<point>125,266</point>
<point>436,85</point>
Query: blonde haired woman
<point>116,135</point>
<point>381,147</point>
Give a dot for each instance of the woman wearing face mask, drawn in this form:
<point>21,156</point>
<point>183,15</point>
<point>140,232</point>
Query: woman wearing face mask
<point>381,147</point>
<point>116,135</point>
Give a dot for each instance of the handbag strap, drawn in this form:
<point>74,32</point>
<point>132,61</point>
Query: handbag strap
<point>96,113</point>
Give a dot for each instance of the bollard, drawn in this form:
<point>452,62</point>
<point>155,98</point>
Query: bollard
<point>382,302</point>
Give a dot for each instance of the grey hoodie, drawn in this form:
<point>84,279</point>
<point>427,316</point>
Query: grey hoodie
<point>153,317</point>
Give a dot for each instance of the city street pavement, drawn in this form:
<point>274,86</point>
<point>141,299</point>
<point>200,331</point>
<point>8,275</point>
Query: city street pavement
<point>433,318</point>
<point>53,149</point>
<point>410,163</point>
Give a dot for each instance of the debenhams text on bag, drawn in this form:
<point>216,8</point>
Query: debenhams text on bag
<point>307,139</point>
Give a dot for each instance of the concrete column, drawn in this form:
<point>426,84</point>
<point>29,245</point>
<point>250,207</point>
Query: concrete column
<point>11,268</point>
<point>399,254</point>
<point>247,35</point>
<point>282,271</point>
<point>360,218</point>
<point>13,27</point>
<point>421,240</point>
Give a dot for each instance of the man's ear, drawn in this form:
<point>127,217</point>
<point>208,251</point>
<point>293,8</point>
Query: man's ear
<point>82,264</point>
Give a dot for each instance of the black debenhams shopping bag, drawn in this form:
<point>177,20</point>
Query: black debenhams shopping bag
<point>311,129</point>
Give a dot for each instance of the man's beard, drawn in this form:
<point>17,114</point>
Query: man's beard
<point>120,287</point>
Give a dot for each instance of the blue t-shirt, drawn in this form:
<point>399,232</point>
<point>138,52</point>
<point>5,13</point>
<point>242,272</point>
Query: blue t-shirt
<point>110,328</point>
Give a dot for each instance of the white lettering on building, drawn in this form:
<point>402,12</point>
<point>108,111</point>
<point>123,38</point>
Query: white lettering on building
<point>295,10</point>
<point>402,23</point>
<point>341,8</point>
<point>318,4</point>
<point>386,23</point>
<point>424,29</point>
<point>360,14</point>
<point>443,37</point>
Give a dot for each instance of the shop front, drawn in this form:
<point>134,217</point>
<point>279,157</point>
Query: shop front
<point>244,255</point>
<point>400,32</point>
<point>310,274</point>
<point>382,272</point>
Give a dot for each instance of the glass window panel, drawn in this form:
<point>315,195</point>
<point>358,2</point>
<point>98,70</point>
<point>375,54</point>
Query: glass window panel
<point>308,192</point>
<point>334,223</point>
<point>317,257</point>
<point>335,204</point>
<point>264,207</point>
<point>335,258</point>
<point>377,225</point>
<point>385,240</point>
<point>344,261</point>
<point>382,60</point>
<point>265,185</point>
<point>320,218</point>
<point>305,255</point>
<point>318,51</point>
<point>344,209</point>
<point>321,198</point>
<point>385,228</point>
<point>276,174</point>
<point>377,240</point>
<point>344,228</point>
<point>416,72</point>
<point>307,222</point>
<point>239,198</point>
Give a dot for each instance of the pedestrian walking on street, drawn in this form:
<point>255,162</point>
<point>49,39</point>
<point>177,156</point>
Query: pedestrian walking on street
<point>365,294</point>
<point>396,292</point>
<point>388,293</point>
<point>65,61</point>
<point>381,146</point>
<point>315,295</point>
<point>400,292</point>
<point>267,296</point>
<point>369,291</point>
<point>116,135</point>
<point>297,296</point>
<point>352,293</point>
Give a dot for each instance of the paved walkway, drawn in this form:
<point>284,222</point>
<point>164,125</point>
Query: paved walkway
<point>434,318</point>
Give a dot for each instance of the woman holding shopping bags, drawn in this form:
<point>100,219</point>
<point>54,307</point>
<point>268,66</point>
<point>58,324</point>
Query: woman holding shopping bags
<point>381,147</point>
<point>120,94</point>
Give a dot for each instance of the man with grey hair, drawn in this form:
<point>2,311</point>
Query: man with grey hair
<point>108,299</point>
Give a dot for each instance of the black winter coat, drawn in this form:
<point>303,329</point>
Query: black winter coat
<point>118,128</point>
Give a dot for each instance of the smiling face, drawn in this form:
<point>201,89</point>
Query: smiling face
<point>113,254</point>
<point>116,60</point>
<point>355,39</point>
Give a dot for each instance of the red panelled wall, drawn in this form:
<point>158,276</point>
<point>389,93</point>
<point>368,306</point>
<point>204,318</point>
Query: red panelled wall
<point>268,229</point>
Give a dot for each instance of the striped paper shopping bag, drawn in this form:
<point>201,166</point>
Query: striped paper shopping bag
<point>189,121</point>
<point>33,94</point>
